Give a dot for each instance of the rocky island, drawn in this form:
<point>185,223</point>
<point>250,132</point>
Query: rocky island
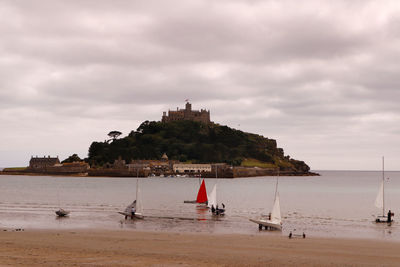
<point>185,142</point>
<point>189,138</point>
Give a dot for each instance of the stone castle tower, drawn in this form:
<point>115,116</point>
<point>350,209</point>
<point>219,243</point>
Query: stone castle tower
<point>187,114</point>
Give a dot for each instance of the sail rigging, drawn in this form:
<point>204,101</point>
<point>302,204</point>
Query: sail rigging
<point>212,198</point>
<point>380,198</point>
<point>380,201</point>
<point>274,220</point>
<point>139,205</point>
<point>276,210</point>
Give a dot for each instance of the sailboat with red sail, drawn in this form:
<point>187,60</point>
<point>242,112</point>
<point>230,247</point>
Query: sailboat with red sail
<point>201,195</point>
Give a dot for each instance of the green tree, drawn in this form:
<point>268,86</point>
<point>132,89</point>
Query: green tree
<point>191,141</point>
<point>72,158</point>
<point>114,135</point>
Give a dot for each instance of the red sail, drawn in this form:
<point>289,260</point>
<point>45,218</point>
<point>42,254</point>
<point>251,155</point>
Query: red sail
<point>202,195</point>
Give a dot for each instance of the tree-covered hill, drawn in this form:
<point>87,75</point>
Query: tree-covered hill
<point>195,142</point>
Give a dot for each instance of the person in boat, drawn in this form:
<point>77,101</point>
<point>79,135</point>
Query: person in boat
<point>223,208</point>
<point>269,216</point>
<point>389,216</point>
<point>212,209</point>
<point>219,211</point>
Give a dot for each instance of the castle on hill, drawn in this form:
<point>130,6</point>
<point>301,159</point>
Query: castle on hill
<point>187,114</point>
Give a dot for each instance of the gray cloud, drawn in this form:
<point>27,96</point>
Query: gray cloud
<point>321,77</point>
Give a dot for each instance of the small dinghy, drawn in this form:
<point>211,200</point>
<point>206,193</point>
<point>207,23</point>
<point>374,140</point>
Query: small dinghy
<point>201,195</point>
<point>135,209</point>
<point>274,219</point>
<point>213,204</point>
<point>62,213</point>
<point>380,201</point>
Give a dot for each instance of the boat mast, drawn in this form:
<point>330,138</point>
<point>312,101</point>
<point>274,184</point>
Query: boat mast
<point>276,186</point>
<point>383,185</point>
<point>137,189</point>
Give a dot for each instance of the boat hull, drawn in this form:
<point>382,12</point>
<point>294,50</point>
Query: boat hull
<point>62,213</point>
<point>190,201</point>
<point>195,202</point>
<point>269,224</point>
<point>129,215</point>
<point>383,219</point>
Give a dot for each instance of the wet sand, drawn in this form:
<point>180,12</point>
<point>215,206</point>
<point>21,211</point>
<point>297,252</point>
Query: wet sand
<point>134,248</point>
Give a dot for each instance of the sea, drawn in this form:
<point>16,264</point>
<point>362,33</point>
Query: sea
<point>335,204</point>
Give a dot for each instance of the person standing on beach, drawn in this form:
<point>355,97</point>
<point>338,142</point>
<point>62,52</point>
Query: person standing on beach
<point>390,215</point>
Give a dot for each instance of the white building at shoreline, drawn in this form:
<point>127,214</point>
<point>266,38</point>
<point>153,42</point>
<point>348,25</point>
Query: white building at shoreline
<point>191,168</point>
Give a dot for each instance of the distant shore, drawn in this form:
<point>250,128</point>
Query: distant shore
<point>124,176</point>
<point>42,174</point>
<point>135,248</point>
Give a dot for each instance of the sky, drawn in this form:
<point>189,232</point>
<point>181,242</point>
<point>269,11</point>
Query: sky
<point>320,77</point>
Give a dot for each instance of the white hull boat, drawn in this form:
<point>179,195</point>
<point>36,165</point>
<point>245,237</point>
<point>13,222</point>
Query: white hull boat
<point>268,224</point>
<point>137,204</point>
<point>274,221</point>
<point>380,201</point>
<point>213,204</point>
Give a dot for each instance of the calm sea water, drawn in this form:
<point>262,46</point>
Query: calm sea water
<point>335,204</point>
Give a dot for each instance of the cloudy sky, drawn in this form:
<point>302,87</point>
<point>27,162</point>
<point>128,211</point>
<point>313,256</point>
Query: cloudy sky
<point>320,77</point>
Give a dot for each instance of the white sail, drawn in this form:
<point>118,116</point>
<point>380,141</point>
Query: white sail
<point>379,197</point>
<point>274,221</point>
<point>276,210</point>
<point>212,198</point>
<point>128,209</point>
<point>139,205</point>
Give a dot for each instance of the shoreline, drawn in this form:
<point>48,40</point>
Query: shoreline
<point>141,248</point>
<point>90,176</point>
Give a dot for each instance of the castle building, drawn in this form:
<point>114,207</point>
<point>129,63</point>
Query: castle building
<point>50,165</point>
<point>38,163</point>
<point>187,114</point>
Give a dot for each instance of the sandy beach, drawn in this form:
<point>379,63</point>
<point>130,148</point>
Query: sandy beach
<point>134,248</point>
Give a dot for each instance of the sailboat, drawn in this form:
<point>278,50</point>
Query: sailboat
<point>201,195</point>
<point>136,204</point>
<point>213,203</point>
<point>62,213</point>
<point>274,219</point>
<point>380,200</point>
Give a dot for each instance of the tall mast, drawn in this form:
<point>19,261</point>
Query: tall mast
<point>383,185</point>
<point>137,189</point>
<point>276,186</point>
